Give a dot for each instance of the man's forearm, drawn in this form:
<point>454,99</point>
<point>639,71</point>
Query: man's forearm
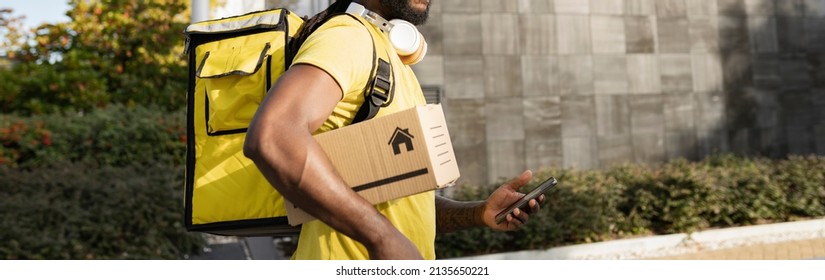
<point>454,215</point>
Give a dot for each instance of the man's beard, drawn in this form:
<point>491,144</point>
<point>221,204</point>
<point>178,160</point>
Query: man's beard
<point>401,9</point>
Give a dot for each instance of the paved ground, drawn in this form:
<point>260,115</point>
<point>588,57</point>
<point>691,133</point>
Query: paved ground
<point>813,249</point>
<point>240,248</point>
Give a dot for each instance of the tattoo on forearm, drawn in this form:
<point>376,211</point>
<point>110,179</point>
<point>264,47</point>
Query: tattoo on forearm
<point>454,215</point>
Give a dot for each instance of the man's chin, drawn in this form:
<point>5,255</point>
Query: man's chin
<point>414,11</point>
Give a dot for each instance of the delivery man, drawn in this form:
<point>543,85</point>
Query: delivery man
<point>322,91</point>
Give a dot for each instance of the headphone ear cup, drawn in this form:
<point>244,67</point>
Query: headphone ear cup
<point>407,41</point>
<point>417,55</point>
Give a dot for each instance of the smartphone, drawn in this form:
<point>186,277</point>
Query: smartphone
<point>522,203</point>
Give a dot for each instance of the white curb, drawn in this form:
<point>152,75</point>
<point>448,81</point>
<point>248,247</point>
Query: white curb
<point>673,244</point>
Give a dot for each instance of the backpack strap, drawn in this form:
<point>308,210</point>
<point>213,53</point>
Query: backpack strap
<point>381,87</point>
<point>377,93</point>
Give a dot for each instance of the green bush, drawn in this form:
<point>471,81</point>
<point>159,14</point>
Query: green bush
<point>636,200</point>
<point>105,184</point>
<point>39,89</point>
<point>77,211</point>
<point>115,136</point>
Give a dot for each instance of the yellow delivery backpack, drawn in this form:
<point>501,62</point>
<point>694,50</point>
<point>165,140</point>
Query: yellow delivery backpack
<point>232,64</point>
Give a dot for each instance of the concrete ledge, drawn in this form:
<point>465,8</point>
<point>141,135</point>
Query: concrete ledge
<point>674,244</point>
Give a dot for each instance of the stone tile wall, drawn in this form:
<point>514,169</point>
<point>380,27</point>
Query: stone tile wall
<point>590,83</point>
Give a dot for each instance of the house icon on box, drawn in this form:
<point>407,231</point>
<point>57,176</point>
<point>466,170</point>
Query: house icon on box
<point>401,137</point>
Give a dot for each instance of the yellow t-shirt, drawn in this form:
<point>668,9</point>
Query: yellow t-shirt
<point>342,47</point>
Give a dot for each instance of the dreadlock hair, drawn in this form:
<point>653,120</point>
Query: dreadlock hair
<point>310,25</point>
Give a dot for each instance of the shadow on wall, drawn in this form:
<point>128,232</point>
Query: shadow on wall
<point>757,67</point>
<point>772,55</point>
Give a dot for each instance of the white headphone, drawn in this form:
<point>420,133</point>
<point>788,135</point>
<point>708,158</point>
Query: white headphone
<point>405,38</point>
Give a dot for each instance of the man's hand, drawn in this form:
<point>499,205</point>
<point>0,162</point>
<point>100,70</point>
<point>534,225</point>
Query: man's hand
<point>454,215</point>
<point>503,197</point>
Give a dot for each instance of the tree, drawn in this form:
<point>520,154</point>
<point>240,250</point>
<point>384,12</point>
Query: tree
<point>120,51</point>
<point>11,28</point>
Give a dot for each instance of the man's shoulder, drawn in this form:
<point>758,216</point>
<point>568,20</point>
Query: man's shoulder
<point>343,29</point>
<point>342,22</point>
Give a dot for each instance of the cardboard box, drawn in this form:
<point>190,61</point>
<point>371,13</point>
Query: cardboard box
<point>390,157</point>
